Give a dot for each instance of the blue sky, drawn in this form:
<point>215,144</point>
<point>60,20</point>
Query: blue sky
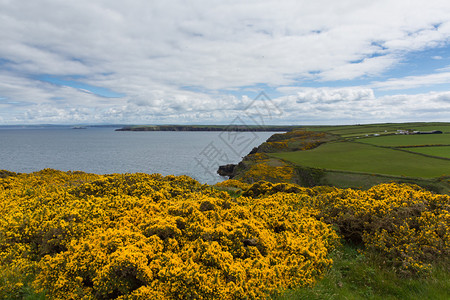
<point>147,62</point>
<point>77,83</point>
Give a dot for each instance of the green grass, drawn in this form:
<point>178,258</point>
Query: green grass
<point>441,151</point>
<point>362,130</point>
<point>354,180</point>
<point>408,140</point>
<point>354,276</point>
<point>359,135</point>
<point>365,158</point>
<point>354,130</point>
<point>443,128</point>
<point>343,179</point>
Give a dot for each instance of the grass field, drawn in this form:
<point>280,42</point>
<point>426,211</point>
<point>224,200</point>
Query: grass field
<point>360,131</point>
<point>354,276</point>
<point>443,128</point>
<point>345,179</point>
<point>354,130</point>
<point>366,158</point>
<point>442,151</point>
<point>408,140</point>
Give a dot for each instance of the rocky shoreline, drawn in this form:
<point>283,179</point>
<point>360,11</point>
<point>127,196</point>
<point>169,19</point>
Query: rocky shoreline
<point>227,170</point>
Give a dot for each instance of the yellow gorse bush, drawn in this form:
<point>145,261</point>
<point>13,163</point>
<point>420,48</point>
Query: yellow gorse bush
<point>138,236</point>
<point>405,224</point>
<point>74,235</point>
<point>293,141</point>
<point>408,226</point>
<point>262,169</point>
<point>233,183</point>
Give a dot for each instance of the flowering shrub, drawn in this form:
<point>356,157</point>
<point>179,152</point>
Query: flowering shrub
<point>310,145</point>
<point>264,188</point>
<point>268,147</point>
<point>293,141</point>
<point>407,225</point>
<point>74,235</point>
<point>233,184</point>
<point>296,134</point>
<point>263,168</point>
<point>85,236</point>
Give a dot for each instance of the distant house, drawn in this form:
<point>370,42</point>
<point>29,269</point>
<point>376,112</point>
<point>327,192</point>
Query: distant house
<point>429,132</point>
<point>418,132</point>
<point>403,132</point>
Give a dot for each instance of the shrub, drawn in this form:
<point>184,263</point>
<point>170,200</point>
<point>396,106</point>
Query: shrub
<point>233,184</point>
<point>406,224</point>
<point>77,235</point>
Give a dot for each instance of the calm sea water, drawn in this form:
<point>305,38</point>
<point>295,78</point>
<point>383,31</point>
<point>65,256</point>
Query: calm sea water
<point>105,151</point>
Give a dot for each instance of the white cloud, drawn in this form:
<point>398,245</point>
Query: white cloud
<point>306,106</point>
<point>151,51</point>
<point>328,95</point>
<point>359,105</point>
<point>410,82</point>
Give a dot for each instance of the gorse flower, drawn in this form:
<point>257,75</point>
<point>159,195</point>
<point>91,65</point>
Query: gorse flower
<point>84,236</point>
<point>138,236</point>
<point>264,168</point>
<point>406,224</point>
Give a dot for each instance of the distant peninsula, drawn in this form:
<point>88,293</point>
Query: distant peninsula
<point>281,128</point>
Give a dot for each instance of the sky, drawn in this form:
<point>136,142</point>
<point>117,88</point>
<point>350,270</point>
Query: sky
<point>224,62</point>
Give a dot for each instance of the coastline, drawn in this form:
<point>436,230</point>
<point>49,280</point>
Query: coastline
<point>243,128</point>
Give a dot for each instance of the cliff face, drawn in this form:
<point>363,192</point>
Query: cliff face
<point>227,170</point>
<point>258,165</point>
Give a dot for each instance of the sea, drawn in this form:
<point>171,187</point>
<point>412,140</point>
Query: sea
<point>105,151</point>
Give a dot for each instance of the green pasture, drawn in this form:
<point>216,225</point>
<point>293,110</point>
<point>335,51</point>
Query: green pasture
<point>346,179</point>
<point>354,130</point>
<point>358,157</point>
<point>326,128</point>
<point>441,151</point>
<point>363,130</point>
<point>408,140</point>
<point>443,128</point>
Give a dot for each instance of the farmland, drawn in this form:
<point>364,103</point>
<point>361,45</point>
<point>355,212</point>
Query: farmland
<point>441,151</point>
<point>380,149</point>
<point>408,140</point>
<point>358,157</point>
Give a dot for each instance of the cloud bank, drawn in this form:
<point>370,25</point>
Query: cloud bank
<point>202,61</point>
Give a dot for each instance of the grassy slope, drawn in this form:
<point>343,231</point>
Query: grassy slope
<point>380,128</point>
<point>363,178</point>
<point>354,276</point>
<point>443,128</point>
<point>364,158</point>
<point>343,179</point>
<point>442,151</point>
<point>408,140</point>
